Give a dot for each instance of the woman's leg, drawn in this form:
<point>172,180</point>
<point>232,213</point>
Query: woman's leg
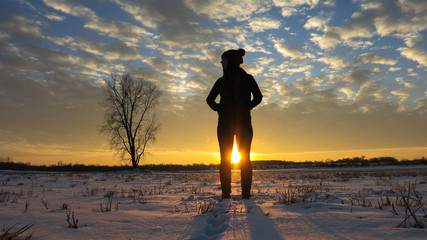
<point>225,140</point>
<point>244,140</point>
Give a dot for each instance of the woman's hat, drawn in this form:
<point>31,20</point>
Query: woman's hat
<point>235,57</point>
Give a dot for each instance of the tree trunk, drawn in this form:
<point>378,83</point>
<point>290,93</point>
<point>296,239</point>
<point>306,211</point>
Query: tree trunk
<point>133,156</point>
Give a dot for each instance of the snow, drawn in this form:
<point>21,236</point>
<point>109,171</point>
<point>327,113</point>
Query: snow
<point>286,204</point>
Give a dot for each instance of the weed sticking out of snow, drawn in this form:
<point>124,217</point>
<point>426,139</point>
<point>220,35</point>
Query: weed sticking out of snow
<point>10,233</point>
<point>412,202</point>
<point>71,220</point>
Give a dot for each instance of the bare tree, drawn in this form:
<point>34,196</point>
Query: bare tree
<point>130,121</point>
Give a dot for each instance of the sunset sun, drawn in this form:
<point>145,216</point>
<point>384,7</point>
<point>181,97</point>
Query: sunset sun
<point>235,156</point>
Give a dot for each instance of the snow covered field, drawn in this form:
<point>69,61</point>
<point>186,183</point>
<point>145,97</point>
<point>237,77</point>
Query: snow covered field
<point>354,203</point>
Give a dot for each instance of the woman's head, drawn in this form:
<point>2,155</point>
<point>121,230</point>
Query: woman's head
<point>232,58</point>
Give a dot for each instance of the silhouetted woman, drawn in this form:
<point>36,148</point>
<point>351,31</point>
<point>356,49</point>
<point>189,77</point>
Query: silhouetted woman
<point>239,93</point>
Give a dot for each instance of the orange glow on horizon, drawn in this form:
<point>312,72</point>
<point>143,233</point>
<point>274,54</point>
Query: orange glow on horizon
<point>50,155</point>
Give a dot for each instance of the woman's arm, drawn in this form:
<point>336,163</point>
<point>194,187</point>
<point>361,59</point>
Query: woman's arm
<point>212,96</point>
<point>256,93</point>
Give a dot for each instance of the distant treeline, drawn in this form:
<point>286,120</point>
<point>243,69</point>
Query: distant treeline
<point>344,162</point>
<point>8,164</point>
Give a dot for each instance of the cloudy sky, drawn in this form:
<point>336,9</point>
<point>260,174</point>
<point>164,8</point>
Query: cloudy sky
<point>339,78</point>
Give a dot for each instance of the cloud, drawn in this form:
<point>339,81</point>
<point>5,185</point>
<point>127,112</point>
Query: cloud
<point>335,62</point>
<point>367,58</point>
<point>403,20</point>
<point>285,51</point>
<point>255,46</point>
<point>261,24</point>
<point>316,22</point>
<point>114,51</point>
<point>197,40</point>
<point>52,57</point>
<point>393,69</point>
<point>371,96</point>
<point>70,8</point>
<point>18,63</point>
<point>144,12</point>
<point>421,104</point>
<point>403,97</point>
<point>177,26</point>
<point>370,5</point>
<point>344,34</point>
<point>307,85</point>
<point>327,41</point>
<point>291,7</point>
<point>223,10</point>
<point>411,38</point>
<point>348,92</point>
<point>416,54</point>
<point>359,76</point>
<point>124,31</point>
<point>401,94</point>
<point>406,84</point>
<point>407,16</point>
<point>4,35</point>
<point>159,64</point>
<point>387,25</point>
<point>39,61</point>
<point>236,33</point>
<point>21,27</point>
<point>174,25</point>
<point>54,17</point>
<point>413,6</point>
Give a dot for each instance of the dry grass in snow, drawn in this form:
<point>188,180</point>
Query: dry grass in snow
<point>356,203</point>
